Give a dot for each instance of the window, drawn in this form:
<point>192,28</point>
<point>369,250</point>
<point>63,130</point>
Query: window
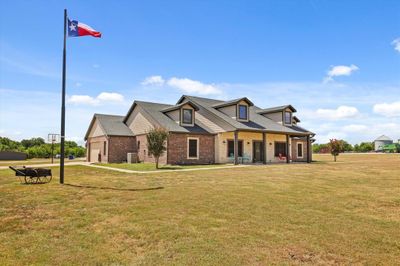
<point>280,148</point>
<point>299,150</point>
<point>288,118</point>
<point>242,112</point>
<point>193,148</point>
<point>187,116</point>
<point>104,147</point>
<point>231,148</point>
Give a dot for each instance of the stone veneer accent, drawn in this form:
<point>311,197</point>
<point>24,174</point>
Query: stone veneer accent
<point>177,149</point>
<point>294,150</point>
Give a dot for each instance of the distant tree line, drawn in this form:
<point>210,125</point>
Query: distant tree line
<point>346,147</point>
<point>38,148</point>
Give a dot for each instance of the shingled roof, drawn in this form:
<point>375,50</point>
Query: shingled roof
<point>155,113</point>
<point>111,125</point>
<point>277,109</point>
<point>257,121</point>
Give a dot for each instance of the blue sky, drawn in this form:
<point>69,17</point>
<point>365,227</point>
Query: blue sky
<point>337,62</point>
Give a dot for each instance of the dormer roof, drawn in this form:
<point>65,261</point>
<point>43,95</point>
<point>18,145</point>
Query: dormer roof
<point>178,106</point>
<point>233,102</point>
<point>277,109</point>
<point>295,118</point>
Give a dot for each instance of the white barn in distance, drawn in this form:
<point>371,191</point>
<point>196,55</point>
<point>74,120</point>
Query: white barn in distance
<point>382,141</point>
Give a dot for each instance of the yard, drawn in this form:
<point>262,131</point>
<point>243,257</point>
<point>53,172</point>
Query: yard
<point>152,166</point>
<point>321,213</point>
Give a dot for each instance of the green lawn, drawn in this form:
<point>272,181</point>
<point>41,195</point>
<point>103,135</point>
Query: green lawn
<point>152,166</point>
<point>322,213</point>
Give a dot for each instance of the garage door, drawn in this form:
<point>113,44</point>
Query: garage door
<point>94,155</point>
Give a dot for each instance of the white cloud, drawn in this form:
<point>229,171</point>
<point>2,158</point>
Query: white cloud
<point>95,65</point>
<point>153,80</point>
<point>82,99</point>
<point>339,113</point>
<point>193,86</point>
<point>336,71</point>
<point>387,109</point>
<point>354,128</point>
<point>104,97</point>
<point>110,97</point>
<point>331,135</point>
<point>78,84</point>
<point>396,44</point>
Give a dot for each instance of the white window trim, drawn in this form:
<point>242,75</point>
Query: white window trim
<point>238,112</point>
<point>198,148</point>
<point>193,114</point>
<point>302,150</point>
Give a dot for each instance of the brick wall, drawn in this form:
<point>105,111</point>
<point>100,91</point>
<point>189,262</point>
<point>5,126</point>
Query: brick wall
<point>143,155</point>
<point>119,147</point>
<point>177,149</point>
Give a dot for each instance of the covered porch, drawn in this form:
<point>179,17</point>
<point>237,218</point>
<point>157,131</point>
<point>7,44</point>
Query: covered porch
<point>243,147</point>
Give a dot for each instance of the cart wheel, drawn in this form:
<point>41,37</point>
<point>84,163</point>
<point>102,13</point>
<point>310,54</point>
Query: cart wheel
<point>44,179</point>
<point>31,180</point>
<point>22,179</point>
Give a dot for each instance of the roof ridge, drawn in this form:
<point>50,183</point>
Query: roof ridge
<point>137,101</point>
<point>96,114</point>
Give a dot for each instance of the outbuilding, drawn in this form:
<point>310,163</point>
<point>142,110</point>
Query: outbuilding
<point>382,141</point>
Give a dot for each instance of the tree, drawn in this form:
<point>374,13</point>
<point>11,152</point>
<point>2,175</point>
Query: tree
<point>156,138</point>
<point>27,143</point>
<point>347,146</point>
<point>366,146</point>
<point>335,147</point>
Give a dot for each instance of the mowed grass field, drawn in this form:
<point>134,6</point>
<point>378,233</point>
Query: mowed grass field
<point>346,212</point>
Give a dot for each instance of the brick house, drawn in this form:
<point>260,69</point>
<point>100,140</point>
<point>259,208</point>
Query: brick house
<point>202,131</point>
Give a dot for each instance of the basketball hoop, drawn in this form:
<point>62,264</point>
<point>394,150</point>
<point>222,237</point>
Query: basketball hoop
<point>53,138</point>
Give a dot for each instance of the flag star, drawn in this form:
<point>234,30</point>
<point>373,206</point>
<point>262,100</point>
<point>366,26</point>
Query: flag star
<point>72,27</point>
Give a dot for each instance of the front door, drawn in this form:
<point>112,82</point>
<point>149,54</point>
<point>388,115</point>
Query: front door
<point>257,151</point>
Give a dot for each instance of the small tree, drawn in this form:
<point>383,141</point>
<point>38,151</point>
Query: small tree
<point>156,138</point>
<point>335,147</point>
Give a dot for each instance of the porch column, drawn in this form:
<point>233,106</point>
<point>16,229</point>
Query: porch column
<point>287,149</point>
<point>235,146</point>
<point>264,146</point>
<point>308,149</point>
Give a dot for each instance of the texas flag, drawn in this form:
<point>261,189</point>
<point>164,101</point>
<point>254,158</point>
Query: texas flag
<point>78,29</point>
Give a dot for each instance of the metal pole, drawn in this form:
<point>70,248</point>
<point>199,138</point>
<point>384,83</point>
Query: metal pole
<point>63,101</point>
<point>52,150</point>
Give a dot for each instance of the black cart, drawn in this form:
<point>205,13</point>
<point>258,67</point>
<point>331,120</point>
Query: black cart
<point>30,175</point>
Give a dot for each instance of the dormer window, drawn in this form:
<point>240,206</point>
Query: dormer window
<point>187,116</point>
<point>243,112</point>
<point>288,118</point>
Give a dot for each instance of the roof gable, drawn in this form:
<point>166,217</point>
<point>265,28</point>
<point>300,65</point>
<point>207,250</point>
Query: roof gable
<point>111,125</point>
<point>178,106</point>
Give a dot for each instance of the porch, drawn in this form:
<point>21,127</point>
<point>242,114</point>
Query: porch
<point>245,147</point>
